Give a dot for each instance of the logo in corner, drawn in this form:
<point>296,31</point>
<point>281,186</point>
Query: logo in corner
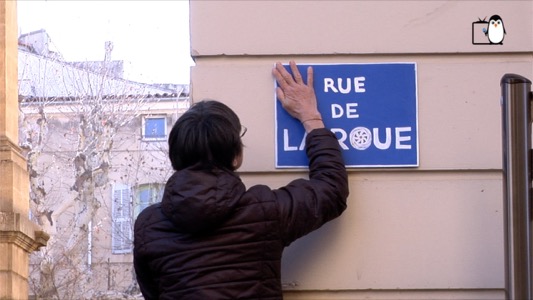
<point>491,32</point>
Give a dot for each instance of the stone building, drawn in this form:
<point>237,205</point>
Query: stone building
<point>18,235</point>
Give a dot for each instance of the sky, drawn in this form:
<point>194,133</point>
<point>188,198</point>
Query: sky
<point>151,37</point>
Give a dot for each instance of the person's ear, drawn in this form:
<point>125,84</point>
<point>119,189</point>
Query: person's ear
<point>237,161</point>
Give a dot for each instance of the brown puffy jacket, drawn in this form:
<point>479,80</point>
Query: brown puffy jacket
<point>211,239</point>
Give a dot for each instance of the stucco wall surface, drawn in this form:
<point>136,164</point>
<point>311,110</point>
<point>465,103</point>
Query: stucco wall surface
<point>349,27</point>
<point>434,231</point>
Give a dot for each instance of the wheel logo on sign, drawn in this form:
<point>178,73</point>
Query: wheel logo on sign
<point>360,138</point>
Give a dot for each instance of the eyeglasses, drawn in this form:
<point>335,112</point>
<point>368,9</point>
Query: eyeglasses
<point>243,130</point>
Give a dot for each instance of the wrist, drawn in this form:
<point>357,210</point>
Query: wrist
<point>310,117</point>
<point>313,123</point>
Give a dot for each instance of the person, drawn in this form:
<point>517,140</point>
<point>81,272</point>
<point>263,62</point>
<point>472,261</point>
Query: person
<point>210,237</point>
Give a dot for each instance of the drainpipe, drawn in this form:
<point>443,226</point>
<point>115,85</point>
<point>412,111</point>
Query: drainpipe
<point>516,134</point>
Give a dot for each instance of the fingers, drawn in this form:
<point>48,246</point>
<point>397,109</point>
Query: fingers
<point>281,75</point>
<point>280,94</point>
<point>284,78</point>
<point>295,72</point>
<point>296,96</point>
<point>310,76</point>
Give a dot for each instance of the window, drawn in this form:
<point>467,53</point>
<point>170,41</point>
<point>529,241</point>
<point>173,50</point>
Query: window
<point>121,235</point>
<point>154,128</point>
<point>146,195</point>
<point>123,214</point>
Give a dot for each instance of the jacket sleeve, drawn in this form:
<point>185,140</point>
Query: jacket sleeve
<point>306,204</point>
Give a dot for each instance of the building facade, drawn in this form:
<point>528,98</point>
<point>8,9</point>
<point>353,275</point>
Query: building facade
<point>434,231</point>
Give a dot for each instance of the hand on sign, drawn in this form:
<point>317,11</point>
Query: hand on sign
<point>297,97</point>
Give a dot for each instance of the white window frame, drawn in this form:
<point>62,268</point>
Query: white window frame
<point>121,216</point>
<point>143,128</point>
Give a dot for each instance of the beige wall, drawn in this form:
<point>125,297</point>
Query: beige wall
<point>433,230</point>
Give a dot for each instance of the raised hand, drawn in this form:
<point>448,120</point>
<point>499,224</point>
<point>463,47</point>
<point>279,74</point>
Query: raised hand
<point>297,97</point>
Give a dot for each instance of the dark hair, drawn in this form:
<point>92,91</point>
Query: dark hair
<point>207,134</point>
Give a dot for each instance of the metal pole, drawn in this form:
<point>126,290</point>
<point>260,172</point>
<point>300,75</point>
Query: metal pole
<point>516,129</point>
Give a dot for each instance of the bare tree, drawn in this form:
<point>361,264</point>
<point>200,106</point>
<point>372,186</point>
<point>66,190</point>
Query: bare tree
<point>80,130</point>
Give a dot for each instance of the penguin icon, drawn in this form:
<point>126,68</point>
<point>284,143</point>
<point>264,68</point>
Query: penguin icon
<point>495,30</point>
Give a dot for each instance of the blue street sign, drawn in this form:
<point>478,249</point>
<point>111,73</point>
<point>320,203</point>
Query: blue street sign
<point>371,108</point>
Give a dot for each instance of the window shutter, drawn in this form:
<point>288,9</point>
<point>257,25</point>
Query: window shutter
<point>121,240</point>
